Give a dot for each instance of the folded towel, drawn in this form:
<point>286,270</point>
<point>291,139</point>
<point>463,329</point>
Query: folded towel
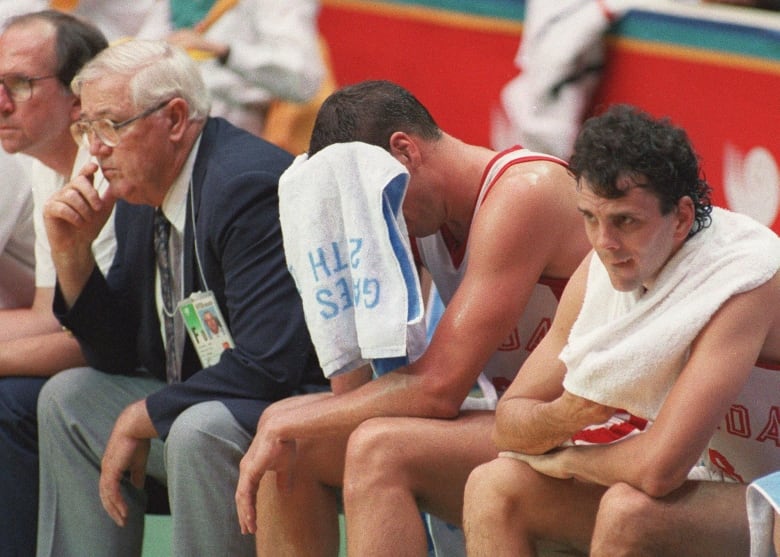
<point>627,348</point>
<point>763,500</point>
<point>348,250</point>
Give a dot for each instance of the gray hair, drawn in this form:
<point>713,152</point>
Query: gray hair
<point>157,71</point>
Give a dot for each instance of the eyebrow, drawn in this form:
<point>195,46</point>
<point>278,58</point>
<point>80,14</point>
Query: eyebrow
<point>611,214</point>
<point>105,113</point>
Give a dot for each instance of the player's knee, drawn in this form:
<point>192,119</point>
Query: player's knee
<point>488,499</point>
<point>622,522</point>
<point>478,500</point>
<point>376,455</point>
<point>377,442</point>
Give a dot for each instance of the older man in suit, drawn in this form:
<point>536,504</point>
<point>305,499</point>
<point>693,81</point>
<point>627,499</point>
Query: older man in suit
<point>196,221</point>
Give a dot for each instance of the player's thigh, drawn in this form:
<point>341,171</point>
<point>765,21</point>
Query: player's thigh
<point>543,508</point>
<point>432,458</point>
<point>709,517</point>
<point>699,518</point>
<point>322,459</point>
<point>706,507</point>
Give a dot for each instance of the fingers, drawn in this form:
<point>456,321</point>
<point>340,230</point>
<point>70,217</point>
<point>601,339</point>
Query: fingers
<point>246,495</point>
<point>138,478</point>
<point>285,472</point>
<point>82,190</point>
<point>111,497</point>
<point>77,203</point>
<point>516,455</point>
<point>89,169</point>
<point>123,454</point>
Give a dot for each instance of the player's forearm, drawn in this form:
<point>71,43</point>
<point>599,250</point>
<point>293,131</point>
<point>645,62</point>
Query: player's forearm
<point>396,394</point>
<point>637,461</point>
<point>39,355</point>
<point>529,426</point>
<point>534,427</point>
<point>351,380</point>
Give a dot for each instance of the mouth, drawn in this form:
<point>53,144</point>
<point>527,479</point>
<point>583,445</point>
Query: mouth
<point>107,172</point>
<point>619,263</point>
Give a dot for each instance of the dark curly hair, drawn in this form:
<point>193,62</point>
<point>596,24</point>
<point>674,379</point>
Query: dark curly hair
<point>370,111</point>
<point>625,142</point>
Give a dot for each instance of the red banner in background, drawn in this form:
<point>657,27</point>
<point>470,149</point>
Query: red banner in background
<point>720,80</point>
<point>729,105</point>
<point>455,64</point>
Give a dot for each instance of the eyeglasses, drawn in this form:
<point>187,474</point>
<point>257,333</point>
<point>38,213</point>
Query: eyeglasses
<point>107,131</point>
<point>20,87</point>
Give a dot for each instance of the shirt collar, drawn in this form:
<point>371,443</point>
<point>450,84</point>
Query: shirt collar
<point>174,206</point>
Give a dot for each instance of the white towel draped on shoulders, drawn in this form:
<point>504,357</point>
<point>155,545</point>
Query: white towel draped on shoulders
<point>626,350</point>
<point>347,247</point>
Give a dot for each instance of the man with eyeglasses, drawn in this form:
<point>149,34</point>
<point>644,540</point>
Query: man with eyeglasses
<point>197,227</point>
<point>39,54</point>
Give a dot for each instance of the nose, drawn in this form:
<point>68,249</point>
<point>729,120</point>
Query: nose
<point>96,145</point>
<point>6,102</point>
<point>605,237</point>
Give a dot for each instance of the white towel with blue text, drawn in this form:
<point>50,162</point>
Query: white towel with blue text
<point>348,250</point>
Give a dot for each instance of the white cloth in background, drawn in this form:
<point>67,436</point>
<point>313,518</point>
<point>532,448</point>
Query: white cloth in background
<point>17,237</point>
<point>117,19</point>
<point>626,349</point>
<point>274,54</point>
<point>347,247</point>
<point>45,183</point>
<point>560,59</point>
<point>10,8</point>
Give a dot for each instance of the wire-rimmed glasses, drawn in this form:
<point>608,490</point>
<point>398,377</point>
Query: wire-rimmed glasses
<point>107,131</point>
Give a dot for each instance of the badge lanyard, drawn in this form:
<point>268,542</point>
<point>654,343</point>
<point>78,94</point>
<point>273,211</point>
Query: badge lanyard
<point>200,312</point>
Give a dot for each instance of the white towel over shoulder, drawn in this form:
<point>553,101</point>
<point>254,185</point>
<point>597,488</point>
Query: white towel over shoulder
<point>347,247</point>
<point>626,350</point>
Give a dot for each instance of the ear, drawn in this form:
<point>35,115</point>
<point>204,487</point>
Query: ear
<point>178,111</point>
<point>686,214</point>
<point>405,149</point>
<point>75,109</point>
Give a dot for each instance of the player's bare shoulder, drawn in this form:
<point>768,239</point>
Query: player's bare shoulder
<point>537,202</point>
<point>542,174</point>
<point>538,187</point>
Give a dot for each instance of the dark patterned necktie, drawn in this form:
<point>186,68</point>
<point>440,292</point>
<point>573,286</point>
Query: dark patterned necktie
<point>162,232</point>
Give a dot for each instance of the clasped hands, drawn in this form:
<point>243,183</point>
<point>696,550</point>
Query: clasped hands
<point>574,410</point>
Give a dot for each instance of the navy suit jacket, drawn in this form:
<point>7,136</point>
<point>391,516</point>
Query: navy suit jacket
<point>237,230</point>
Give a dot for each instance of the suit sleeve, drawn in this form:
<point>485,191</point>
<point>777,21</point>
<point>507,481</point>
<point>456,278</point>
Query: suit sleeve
<point>106,318</point>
